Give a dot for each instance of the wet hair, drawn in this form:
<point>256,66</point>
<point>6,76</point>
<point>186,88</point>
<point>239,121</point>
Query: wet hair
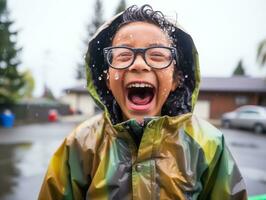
<point>146,14</point>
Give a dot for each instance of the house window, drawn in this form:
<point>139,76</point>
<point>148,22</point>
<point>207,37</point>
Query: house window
<point>241,100</point>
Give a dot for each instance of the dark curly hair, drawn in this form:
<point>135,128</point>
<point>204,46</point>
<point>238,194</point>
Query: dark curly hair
<point>147,14</point>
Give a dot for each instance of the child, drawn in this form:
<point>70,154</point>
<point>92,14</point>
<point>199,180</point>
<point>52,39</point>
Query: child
<point>144,73</point>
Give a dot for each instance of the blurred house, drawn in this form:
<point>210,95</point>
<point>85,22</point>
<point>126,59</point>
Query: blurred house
<point>79,100</point>
<point>32,110</point>
<point>217,95</point>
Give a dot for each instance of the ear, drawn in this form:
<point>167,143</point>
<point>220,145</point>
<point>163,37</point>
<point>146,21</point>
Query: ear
<point>175,84</point>
<point>177,79</point>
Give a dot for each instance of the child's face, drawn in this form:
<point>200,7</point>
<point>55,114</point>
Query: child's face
<point>139,89</point>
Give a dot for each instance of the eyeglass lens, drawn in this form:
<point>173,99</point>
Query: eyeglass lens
<point>157,57</point>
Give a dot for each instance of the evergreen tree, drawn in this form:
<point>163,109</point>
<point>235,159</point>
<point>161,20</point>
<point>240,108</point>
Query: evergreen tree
<point>239,70</point>
<point>96,22</point>
<point>261,53</point>
<point>48,94</point>
<point>11,81</point>
<point>121,6</point>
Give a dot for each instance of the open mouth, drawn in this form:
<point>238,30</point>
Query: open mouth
<point>140,94</point>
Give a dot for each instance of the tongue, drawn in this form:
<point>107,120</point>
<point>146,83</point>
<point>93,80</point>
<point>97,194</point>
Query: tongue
<point>141,101</point>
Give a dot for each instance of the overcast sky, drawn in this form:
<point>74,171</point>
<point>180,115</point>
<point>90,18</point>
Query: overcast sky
<point>52,34</point>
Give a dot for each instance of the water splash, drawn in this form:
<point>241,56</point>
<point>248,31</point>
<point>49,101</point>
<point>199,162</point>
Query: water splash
<point>116,76</point>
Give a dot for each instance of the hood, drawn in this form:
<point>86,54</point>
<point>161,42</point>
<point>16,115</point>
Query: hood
<point>181,101</point>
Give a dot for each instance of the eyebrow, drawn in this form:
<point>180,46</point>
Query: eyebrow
<point>157,44</point>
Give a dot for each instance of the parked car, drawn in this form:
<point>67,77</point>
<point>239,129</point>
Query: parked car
<point>249,117</point>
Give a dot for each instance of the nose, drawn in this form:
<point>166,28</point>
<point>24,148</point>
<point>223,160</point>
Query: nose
<point>139,64</point>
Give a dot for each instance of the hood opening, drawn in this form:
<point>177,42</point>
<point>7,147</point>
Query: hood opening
<point>180,101</point>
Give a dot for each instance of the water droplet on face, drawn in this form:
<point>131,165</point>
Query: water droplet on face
<point>116,76</point>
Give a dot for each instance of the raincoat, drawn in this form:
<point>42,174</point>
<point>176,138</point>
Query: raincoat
<point>174,156</point>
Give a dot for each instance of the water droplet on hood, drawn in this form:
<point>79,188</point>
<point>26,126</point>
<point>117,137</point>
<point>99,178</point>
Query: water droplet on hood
<point>173,29</point>
<point>100,78</point>
<point>98,42</point>
<point>186,76</point>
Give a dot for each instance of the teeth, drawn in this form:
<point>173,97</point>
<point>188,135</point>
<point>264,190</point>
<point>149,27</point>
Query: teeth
<point>139,85</point>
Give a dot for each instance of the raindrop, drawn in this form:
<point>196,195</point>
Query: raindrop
<point>186,76</point>
<point>105,71</point>
<point>98,49</point>
<point>98,42</point>
<point>100,78</point>
<point>84,56</point>
<point>84,86</point>
<point>173,29</point>
<point>116,76</point>
<point>107,91</point>
<point>93,65</point>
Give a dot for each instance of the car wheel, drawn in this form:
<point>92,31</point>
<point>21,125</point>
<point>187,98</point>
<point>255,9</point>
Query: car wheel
<point>226,124</point>
<point>258,128</point>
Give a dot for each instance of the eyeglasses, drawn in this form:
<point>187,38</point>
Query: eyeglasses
<point>157,57</point>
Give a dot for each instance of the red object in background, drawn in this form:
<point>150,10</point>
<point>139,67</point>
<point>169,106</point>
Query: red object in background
<point>71,111</point>
<point>52,116</point>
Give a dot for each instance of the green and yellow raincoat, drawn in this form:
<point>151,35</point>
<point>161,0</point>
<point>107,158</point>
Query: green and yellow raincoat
<point>174,156</point>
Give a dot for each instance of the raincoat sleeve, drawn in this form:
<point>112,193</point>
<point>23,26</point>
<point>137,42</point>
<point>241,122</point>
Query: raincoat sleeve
<point>58,183</point>
<point>224,180</point>
<point>69,172</point>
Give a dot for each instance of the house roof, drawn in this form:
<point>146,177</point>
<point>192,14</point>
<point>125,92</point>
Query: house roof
<point>212,84</point>
<point>81,89</point>
<point>233,84</point>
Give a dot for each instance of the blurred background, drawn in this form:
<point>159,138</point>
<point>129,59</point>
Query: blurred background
<point>43,92</point>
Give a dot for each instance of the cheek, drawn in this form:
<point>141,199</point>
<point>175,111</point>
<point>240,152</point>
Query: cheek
<point>166,76</point>
<point>115,78</point>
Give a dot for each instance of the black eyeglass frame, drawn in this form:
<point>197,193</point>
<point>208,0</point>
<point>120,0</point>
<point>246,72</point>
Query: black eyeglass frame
<point>142,52</point>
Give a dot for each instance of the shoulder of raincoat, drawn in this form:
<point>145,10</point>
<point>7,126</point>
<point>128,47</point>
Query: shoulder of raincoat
<point>179,156</point>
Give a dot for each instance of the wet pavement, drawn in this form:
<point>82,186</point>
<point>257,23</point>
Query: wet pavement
<point>24,156</point>
<point>25,152</point>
